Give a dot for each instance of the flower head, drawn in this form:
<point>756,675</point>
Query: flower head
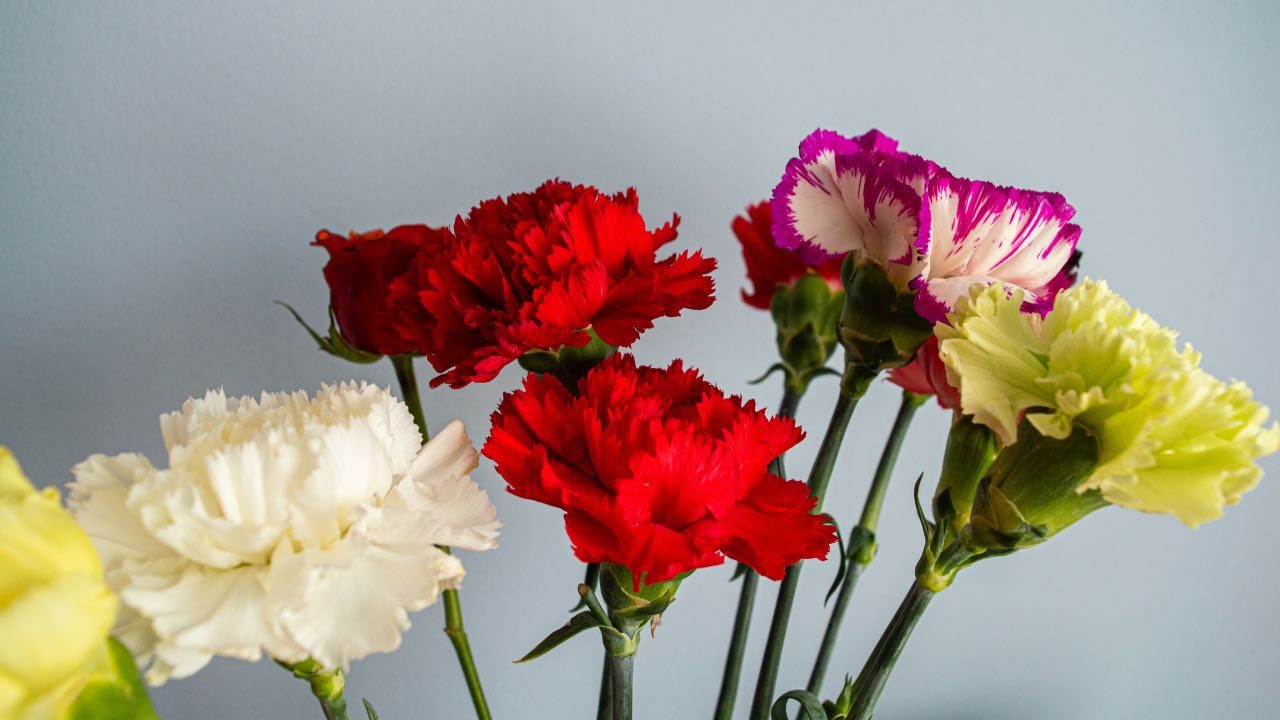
<point>55,608</point>
<point>538,271</point>
<point>359,273</point>
<point>657,471</point>
<point>927,375</point>
<point>935,234</point>
<point>768,265</point>
<point>305,528</point>
<point>1171,438</point>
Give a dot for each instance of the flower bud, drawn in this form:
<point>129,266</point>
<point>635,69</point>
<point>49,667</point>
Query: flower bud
<point>806,314</point>
<point>879,327</point>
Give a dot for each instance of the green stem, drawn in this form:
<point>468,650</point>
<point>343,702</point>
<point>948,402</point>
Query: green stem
<point>604,708</point>
<point>409,391</point>
<point>620,677</point>
<point>864,534</point>
<point>819,477</point>
<point>875,673</point>
<point>453,626</point>
<point>747,596</point>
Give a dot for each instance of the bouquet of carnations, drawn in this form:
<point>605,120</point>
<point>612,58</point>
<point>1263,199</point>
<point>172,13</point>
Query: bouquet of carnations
<point>309,527</point>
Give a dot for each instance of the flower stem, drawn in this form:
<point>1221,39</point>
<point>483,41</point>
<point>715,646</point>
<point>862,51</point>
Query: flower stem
<point>620,678</point>
<point>747,596</point>
<point>864,533</point>
<point>409,391</point>
<point>604,707</point>
<point>819,476</point>
<point>875,673</point>
<point>453,626</point>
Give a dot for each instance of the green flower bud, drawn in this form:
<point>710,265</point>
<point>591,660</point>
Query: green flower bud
<point>806,314</point>
<point>879,326</point>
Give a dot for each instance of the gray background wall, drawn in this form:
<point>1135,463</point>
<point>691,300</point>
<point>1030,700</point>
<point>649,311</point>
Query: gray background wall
<point>163,166</point>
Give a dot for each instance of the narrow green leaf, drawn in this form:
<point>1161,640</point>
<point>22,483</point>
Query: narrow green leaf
<point>810,707</point>
<point>584,620</point>
<point>772,369</point>
<point>841,566</point>
<point>368,709</point>
<point>320,340</point>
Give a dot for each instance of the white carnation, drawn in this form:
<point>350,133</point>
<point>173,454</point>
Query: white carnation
<point>288,525</point>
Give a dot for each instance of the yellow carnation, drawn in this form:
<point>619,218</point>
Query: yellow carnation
<point>1172,438</point>
<point>55,608</point>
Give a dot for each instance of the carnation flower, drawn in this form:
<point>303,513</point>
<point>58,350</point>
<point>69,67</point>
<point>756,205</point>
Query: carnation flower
<point>55,613</point>
<point>359,273</point>
<point>1170,437</point>
<point>303,528</point>
<point>542,270</point>
<point>657,471</point>
<point>934,233</point>
<point>927,375</point>
<point>769,265</point>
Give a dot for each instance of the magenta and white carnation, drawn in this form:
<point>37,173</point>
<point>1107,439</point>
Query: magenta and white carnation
<point>935,234</point>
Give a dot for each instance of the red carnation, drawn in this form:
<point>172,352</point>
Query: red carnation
<point>768,265</point>
<point>359,273</point>
<point>657,471</point>
<point>537,271</point>
<point>927,375</point>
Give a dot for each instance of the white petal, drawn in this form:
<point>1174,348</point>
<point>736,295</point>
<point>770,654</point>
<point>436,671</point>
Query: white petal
<point>196,611</point>
<point>353,598</point>
<point>98,502</point>
<point>438,502</point>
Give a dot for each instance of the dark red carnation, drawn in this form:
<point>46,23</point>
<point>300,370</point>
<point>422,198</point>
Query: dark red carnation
<point>768,265</point>
<point>927,375</point>
<point>359,273</point>
<point>536,271</point>
<point>657,471</point>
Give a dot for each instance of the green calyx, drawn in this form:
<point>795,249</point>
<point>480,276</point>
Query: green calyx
<point>568,363</point>
<point>971,449</point>
<point>116,695</point>
<point>806,315</point>
<point>325,683</point>
<point>1029,493</point>
<point>628,611</point>
<point>879,326</point>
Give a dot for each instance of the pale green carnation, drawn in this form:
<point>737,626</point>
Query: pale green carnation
<point>1173,439</point>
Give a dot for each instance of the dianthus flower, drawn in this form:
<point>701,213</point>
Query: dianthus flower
<point>935,234</point>
<point>542,270</point>
<point>657,471</point>
<point>927,375</point>
<point>299,527</point>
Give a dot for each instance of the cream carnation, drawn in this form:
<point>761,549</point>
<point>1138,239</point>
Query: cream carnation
<point>288,525</point>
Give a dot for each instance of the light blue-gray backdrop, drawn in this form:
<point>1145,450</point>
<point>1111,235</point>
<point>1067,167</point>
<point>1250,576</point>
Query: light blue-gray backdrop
<point>164,165</point>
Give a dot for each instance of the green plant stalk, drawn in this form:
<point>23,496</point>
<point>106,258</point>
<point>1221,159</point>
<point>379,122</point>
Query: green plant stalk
<point>604,707</point>
<point>453,625</point>
<point>868,523</point>
<point>620,671</point>
<point>880,663</point>
<point>819,477</point>
<point>747,596</point>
